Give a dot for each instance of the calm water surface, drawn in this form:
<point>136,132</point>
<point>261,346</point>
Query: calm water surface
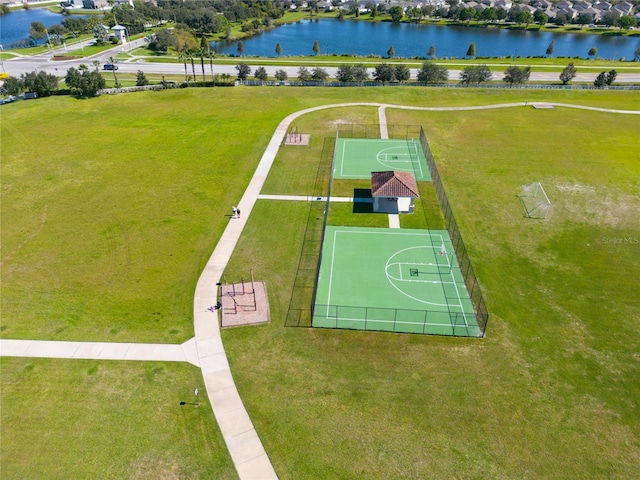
<point>14,26</point>
<point>364,38</point>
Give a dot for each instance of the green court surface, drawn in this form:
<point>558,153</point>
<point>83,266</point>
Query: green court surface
<point>396,280</point>
<point>357,158</point>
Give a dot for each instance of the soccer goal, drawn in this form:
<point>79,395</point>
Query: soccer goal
<point>535,201</point>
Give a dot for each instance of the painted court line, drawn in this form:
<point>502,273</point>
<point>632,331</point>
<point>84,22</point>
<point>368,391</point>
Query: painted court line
<point>333,255</point>
<point>334,248</point>
<point>439,281</point>
<point>398,161</point>
<point>417,154</point>
<point>396,322</point>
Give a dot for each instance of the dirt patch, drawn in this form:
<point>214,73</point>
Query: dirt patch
<point>244,304</point>
<point>157,469</point>
<point>343,121</point>
<point>603,207</point>
<point>301,139</point>
<point>575,187</point>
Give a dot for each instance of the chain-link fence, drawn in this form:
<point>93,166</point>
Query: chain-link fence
<point>470,280</point>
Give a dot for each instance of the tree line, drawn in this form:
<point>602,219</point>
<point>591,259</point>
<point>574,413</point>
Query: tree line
<point>201,17</point>
<point>85,82</point>
<point>429,73</point>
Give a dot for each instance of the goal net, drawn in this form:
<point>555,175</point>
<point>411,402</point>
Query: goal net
<point>535,201</point>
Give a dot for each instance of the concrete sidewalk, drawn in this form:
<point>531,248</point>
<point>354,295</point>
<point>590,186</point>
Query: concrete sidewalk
<point>382,120</point>
<point>301,198</point>
<point>157,352</point>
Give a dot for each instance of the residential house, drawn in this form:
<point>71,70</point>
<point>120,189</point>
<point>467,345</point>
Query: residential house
<point>95,4</point>
<point>543,5</point>
<point>581,6</point>
<point>120,3</point>
<point>624,8</point>
<point>566,8</point>
<point>505,4</point>
<point>602,7</point>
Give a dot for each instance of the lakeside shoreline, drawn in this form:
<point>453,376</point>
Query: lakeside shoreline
<point>442,22</point>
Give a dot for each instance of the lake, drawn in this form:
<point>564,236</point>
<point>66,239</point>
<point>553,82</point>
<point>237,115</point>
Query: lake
<point>350,37</point>
<point>14,26</point>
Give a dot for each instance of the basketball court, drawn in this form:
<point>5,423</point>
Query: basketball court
<point>357,158</point>
<point>392,280</point>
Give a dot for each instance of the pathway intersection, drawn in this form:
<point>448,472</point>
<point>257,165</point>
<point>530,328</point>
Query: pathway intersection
<point>206,350</point>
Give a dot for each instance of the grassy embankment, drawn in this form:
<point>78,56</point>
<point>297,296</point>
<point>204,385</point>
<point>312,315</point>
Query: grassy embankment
<point>103,239</point>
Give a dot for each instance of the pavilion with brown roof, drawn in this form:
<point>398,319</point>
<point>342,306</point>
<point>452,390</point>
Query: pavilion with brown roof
<point>393,191</point>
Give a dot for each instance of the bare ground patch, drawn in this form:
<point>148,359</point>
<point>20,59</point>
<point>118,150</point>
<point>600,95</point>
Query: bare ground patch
<point>244,304</point>
<point>599,206</point>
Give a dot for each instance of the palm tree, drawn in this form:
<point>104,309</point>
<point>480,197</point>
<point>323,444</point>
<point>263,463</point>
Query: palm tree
<point>96,63</point>
<point>112,61</point>
<point>210,56</point>
<point>191,53</point>
<point>182,56</point>
<point>201,54</point>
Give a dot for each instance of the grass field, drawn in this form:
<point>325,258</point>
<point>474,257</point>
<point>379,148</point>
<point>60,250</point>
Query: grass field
<point>100,419</point>
<point>106,226</point>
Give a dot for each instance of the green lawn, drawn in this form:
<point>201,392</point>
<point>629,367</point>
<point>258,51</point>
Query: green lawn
<point>99,419</point>
<point>131,203</point>
<point>551,392</point>
<point>107,223</point>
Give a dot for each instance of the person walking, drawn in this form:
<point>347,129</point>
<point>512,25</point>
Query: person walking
<point>235,212</point>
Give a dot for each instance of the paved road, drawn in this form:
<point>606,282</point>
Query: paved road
<point>43,62</point>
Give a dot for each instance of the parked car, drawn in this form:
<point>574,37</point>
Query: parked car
<point>110,66</point>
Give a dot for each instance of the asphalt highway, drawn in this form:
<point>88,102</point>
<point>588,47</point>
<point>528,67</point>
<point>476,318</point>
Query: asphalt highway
<point>44,62</point>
